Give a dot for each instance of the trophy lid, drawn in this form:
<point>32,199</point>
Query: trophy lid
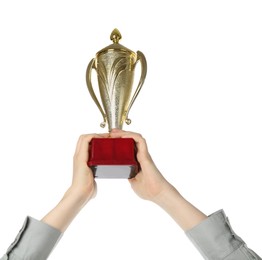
<point>115,37</point>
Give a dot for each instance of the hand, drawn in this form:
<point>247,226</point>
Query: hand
<point>83,187</point>
<point>83,183</point>
<point>149,182</point>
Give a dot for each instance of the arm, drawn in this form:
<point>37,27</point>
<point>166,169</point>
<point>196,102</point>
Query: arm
<point>83,188</point>
<point>212,235</point>
<point>149,184</point>
<point>37,239</point>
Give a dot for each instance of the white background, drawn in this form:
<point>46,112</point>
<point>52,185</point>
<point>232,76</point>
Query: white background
<point>200,111</point>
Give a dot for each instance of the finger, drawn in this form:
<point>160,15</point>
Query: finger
<point>136,178</point>
<point>80,139</point>
<point>83,144</point>
<point>139,140</point>
<point>116,133</point>
<point>131,181</point>
<point>116,130</point>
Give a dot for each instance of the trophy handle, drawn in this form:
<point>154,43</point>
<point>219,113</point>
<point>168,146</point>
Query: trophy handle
<point>91,90</point>
<point>141,57</point>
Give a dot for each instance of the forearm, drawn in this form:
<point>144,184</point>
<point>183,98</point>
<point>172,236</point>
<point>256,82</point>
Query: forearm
<point>66,210</point>
<point>183,212</point>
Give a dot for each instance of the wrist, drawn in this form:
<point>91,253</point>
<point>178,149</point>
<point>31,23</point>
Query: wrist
<point>77,195</point>
<point>182,211</point>
<point>66,210</point>
<point>167,193</point>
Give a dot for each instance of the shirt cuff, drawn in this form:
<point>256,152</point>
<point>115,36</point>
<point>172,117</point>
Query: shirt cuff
<point>214,237</point>
<point>35,240</point>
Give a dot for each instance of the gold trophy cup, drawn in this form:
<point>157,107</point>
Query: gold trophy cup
<point>115,67</point>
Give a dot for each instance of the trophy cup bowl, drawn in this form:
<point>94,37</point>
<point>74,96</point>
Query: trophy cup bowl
<point>115,67</point>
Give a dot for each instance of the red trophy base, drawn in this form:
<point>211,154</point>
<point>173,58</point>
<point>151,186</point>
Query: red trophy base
<point>113,158</point>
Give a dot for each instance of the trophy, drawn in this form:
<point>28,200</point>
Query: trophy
<point>115,66</point>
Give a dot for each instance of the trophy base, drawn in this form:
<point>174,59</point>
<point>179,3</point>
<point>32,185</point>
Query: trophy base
<point>114,171</point>
<point>113,158</point>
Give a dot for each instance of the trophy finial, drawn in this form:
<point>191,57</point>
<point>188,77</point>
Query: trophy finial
<point>115,36</point>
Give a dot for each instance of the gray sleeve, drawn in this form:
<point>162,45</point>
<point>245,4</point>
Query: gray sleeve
<point>215,239</point>
<point>35,240</point>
